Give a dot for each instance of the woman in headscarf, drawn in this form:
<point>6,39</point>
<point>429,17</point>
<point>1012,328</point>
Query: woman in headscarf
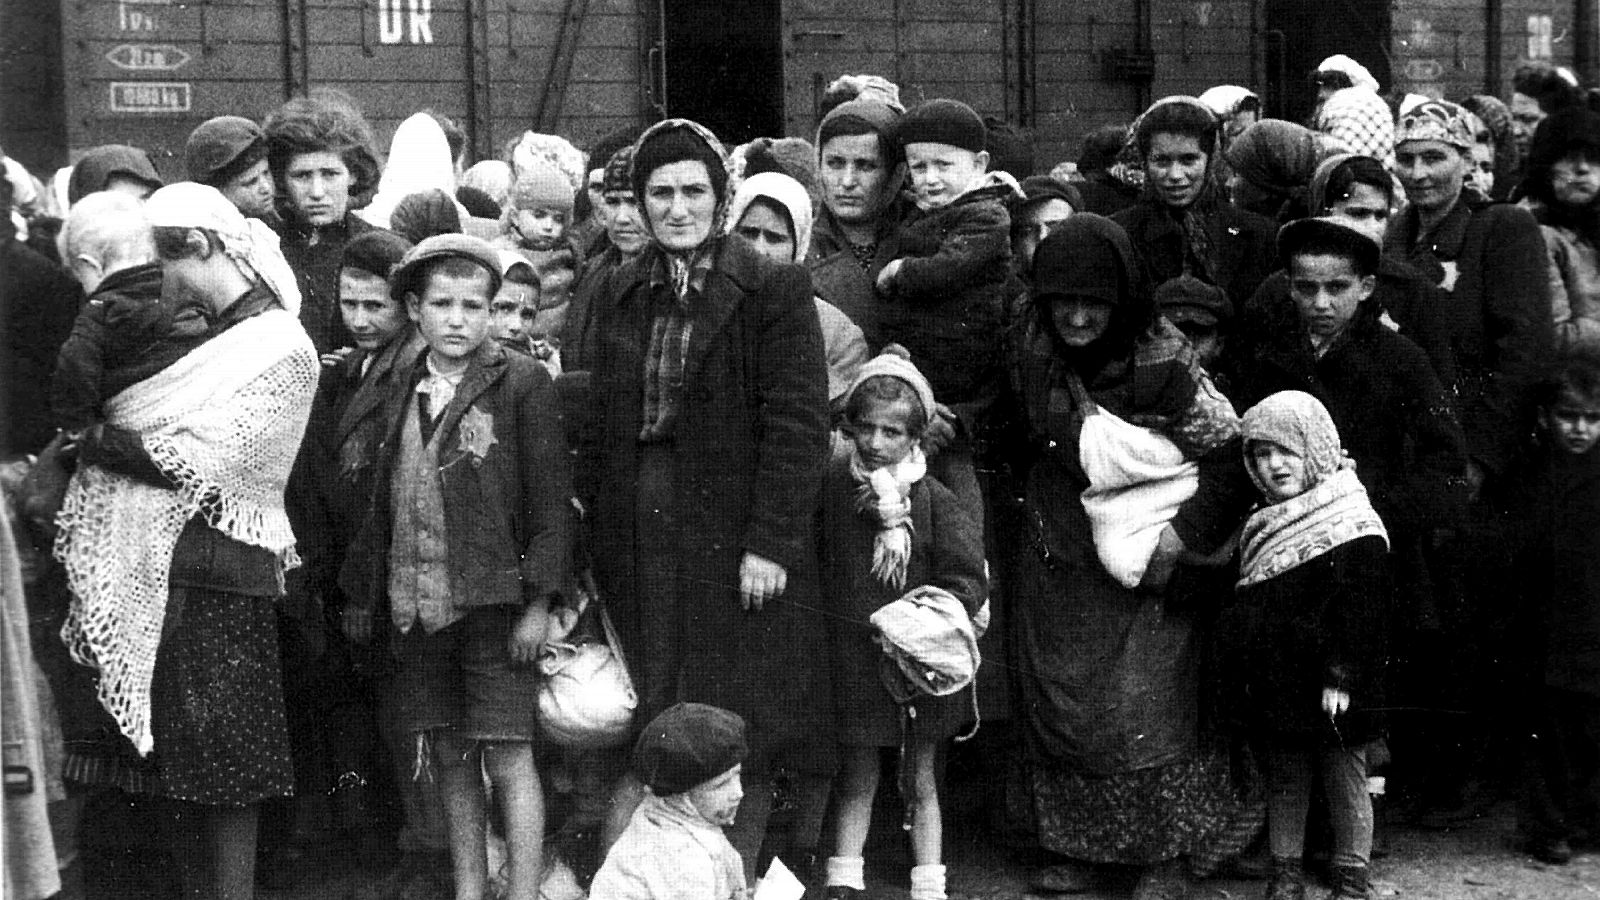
<point>1563,191</point>
<point>625,239</point>
<point>773,212</point>
<point>1105,635</point>
<point>419,161</point>
<point>1491,259</point>
<point>710,433</point>
<point>175,540</point>
<point>1183,224</point>
<point>1237,107</point>
<point>1496,118</point>
<point>1272,163</point>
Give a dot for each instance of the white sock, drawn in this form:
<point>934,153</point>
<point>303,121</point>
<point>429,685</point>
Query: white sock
<point>927,882</point>
<point>846,871</point>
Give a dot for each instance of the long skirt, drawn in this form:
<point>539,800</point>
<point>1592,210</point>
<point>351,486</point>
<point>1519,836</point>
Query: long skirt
<point>1118,768</point>
<point>217,716</point>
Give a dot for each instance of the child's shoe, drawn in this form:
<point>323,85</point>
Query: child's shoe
<point>1350,883</point>
<point>1288,880</point>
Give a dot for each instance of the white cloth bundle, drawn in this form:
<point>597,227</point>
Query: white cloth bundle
<point>1137,480</point>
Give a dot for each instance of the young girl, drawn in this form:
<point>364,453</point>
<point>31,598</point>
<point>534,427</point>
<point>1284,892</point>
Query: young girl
<point>886,530</point>
<point>1309,622</point>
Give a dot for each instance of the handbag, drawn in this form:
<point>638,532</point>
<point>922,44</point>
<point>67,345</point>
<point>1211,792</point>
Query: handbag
<point>587,699</point>
<point>42,491</point>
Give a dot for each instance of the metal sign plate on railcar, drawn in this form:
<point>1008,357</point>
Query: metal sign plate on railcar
<point>148,57</point>
<point>150,96</point>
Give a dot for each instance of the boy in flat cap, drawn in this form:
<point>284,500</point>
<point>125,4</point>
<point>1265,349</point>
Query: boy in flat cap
<point>230,154</point>
<point>690,758</point>
<point>471,537</point>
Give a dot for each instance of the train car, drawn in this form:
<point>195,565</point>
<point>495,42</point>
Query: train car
<point>83,72</point>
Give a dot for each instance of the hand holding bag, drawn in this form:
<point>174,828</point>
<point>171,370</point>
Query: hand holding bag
<point>587,699</point>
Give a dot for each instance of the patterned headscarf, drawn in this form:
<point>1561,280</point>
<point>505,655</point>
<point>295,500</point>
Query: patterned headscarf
<point>1437,120</point>
<point>618,174</point>
<point>1361,120</point>
<point>1333,510</point>
<point>246,241</point>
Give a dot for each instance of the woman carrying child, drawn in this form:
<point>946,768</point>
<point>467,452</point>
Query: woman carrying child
<point>1309,621</point>
<point>1107,664</point>
<point>175,539</point>
<point>888,529</point>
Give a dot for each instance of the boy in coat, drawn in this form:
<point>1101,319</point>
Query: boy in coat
<point>470,533</point>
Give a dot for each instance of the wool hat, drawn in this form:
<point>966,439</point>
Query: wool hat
<point>1332,235</point>
<point>424,214</point>
<point>943,121</point>
<point>1436,120</point>
<point>1188,299</point>
<point>441,246</point>
<point>222,147</point>
<point>541,186</point>
<point>1038,188</point>
<point>687,745</point>
<point>851,116</point>
<point>100,164</point>
<point>376,252</point>
<point>895,361</point>
<point>618,169</point>
<point>1010,148</point>
<point>794,157</point>
<point>477,203</point>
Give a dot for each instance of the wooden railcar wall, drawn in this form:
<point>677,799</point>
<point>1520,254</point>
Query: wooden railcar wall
<point>1439,46</point>
<point>244,59</point>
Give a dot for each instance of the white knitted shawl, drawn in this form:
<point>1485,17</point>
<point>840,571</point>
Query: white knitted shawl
<point>225,422</point>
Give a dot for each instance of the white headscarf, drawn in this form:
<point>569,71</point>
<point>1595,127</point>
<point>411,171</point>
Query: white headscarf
<point>785,191</point>
<point>419,161</point>
<point>246,241</point>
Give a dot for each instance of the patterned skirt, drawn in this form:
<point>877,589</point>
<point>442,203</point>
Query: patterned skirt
<point>1189,809</point>
<point>221,738</point>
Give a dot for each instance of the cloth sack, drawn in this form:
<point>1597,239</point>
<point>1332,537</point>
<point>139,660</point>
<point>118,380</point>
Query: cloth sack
<point>1137,480</point>
<point>929,640</point>
<point>587,699</point>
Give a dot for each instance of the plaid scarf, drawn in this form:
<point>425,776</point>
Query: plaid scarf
<point>674,282</point>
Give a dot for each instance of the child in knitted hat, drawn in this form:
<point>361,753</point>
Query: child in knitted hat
<point>889,529</point>
<point>690,758</point>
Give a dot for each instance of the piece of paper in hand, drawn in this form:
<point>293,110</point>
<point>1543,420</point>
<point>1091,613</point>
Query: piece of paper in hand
<point>779,884</point>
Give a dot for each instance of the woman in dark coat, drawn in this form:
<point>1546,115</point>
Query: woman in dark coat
<point>1182,224</point>
<point>1491,260</point>
<point>1118,769</point>
<point>709,440</point>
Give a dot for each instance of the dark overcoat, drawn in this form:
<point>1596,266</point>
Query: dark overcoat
<point>740,472</point>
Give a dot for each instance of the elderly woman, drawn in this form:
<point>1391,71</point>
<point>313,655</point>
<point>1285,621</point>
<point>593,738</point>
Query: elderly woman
<point>175,539</point>
<point>1182,224</point>
<point>1104,634</point>
<point>710,433</point>
<point>625,239</point>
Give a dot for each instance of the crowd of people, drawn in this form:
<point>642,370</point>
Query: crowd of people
<point>610,521</point>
